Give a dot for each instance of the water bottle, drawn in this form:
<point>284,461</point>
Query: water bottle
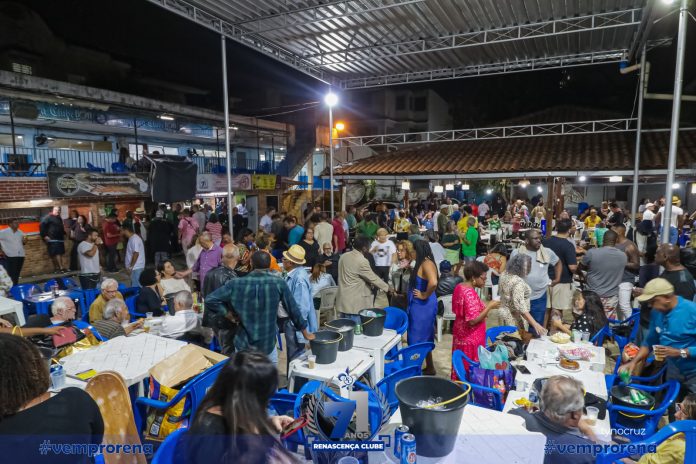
<point>543,227</point>
<point>358,329</point>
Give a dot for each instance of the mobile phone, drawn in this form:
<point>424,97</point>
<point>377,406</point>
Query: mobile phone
<point>522,368</point>
<point>293,427</point>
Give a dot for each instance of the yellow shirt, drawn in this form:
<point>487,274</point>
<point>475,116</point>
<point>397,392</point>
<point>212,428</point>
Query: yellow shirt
<point>96,309</point>
<point>670,451</point>
<point>462,225</point>
<point>402,225</point>
<point>590,223</point>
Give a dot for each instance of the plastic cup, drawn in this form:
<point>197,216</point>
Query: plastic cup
<point>57,378</point>
<point>577,336</point>
<point>586,336</point>
<point>657,358</point>
<point>149,315</point>
<point>311,361</point>
<point>592,414</point>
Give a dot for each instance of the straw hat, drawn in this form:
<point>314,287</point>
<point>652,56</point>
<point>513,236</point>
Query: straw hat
<point>676,200</point>
<point>140,211</point>
<point>296,254</point>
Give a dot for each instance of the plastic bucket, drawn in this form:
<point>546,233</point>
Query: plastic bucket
<point>372,326</point>
<point>325,346</point>
<point>436,430</point>
<point>620,395</point>
<point>345,327</point>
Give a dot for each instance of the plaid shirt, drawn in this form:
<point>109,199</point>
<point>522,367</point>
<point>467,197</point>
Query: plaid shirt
<point>255,300</point>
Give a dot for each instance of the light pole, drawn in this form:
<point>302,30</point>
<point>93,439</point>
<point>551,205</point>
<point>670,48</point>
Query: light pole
<point>331,100</point>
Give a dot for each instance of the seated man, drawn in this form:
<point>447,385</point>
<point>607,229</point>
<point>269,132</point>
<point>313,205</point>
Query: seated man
<point>185,324</point>
<point>562,404</point>
<point>447,280</point>
<point>63,310</point>
<point>116,322</point>
<point>109,291</point>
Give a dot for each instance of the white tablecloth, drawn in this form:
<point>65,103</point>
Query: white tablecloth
<point>593,381</point>
<point>8,306</point>
<point>488,437</point>
<point>132,357</point>
<point>540,346</point>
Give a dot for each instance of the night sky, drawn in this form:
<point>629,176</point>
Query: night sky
<point>163,45</point>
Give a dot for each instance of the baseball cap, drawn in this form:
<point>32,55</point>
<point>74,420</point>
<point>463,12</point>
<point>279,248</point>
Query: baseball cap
<point>656,287</point>
<point>445,266</point>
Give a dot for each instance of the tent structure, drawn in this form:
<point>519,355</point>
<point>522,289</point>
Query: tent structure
<point>354,44</point>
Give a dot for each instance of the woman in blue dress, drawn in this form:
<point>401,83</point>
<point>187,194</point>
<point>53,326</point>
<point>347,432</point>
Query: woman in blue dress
<point>422,305</point>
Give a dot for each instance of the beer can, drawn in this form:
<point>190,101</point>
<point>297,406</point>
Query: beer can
<point>398,433</point>
<point>358,329</point>
<point>408,449</point>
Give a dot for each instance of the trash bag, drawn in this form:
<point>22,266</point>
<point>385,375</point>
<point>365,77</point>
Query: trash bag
<point>496,359</point>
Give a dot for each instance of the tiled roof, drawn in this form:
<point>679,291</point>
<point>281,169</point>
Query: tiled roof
<point>586,152</point>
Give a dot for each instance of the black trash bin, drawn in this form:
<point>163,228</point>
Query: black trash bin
<point>372,321</point>
<point>325,346</point>
<point>345,327</point>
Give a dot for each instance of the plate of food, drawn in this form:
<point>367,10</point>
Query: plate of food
<point>568,365</point>
<point>560,338</point>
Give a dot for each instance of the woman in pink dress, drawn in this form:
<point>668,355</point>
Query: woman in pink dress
<point>469,331</point>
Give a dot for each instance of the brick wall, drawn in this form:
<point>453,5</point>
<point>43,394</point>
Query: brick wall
<point>36,261</point>
<point>23,188</point>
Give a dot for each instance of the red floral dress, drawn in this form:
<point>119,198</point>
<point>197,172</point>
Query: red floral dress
<point>467,305</point>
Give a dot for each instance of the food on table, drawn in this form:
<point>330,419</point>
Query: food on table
<point>560,337</point>
<point>569,364</point>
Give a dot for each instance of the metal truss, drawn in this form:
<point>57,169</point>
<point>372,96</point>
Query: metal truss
<point>503,67</point>
<point>319,13</point>
<point>474,39</point>
<point>244,36</point>
<point>491,133</point>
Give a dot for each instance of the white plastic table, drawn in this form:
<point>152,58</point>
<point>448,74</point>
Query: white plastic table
<point>132,357</point>
<point>356,362</point>
<point>378,347</point>
<point>539,346</point>
<point>486,436</point>
<point>8,306</point>
<point>592,380</point>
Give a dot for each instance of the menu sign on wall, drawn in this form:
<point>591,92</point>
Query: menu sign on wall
<point>97,184</point>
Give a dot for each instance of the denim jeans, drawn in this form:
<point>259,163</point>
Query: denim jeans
<point>352,317</point>
<point>273,356</point>
<point>537,309</point>
<point>293,348</point>
<point>135,277</point>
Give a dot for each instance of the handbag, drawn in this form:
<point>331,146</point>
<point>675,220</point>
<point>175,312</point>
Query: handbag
<point>502,380</point>
<point>398,299</point>
<point>66,336</point>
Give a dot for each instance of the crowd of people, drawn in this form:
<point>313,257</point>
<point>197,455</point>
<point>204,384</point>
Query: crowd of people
<point>511,264</point>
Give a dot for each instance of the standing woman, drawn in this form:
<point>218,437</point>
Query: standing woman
<point>515,294</point>
<point>422,307</point>
<point>311,247</point>
<point>78,234</point>
<point>451,243</point>
<point>215,228</point>
<point>469,329</point>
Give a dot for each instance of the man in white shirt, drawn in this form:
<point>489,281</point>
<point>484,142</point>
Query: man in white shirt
<point>244,212</point>
<point>135,256</point>
<point>267,220</point>
<point>483,209</point>
<point>676,220</point>
<point>323,231</point>
<point>12,241</point>
<point>435,216</point>
<point>383,250</point>
<point>88,256</point>
<point>185,324</point>
<point>200,218</point>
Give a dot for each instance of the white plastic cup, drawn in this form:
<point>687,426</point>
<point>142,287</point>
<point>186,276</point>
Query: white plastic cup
<point>577,336</point>
<point>586,336</point>
<point>592,414</point>
<point>311,361</point>
<point>149,315</point>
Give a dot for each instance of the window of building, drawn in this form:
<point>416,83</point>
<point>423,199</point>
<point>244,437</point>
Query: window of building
<point>400,102</point>
<point>151,149</point>
<point>420,103</point>
<point>80,145</point>
<point>22,68</point>
<point>6,139</point>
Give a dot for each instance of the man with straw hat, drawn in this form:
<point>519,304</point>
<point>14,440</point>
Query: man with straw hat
<point>297,279</point>
<point>676,220</point>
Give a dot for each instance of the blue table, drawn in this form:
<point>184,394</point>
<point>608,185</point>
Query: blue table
<point>42,301</point>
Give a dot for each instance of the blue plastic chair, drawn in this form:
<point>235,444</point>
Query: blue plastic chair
<point>387,385</point>
<point>93,168</point>
<point>283,403</point>
<point>195,389</point>
<point>412,355</point>
<point>167,450</point>
<point>637,424</point>
<point>119,167</point>
<point>130,304</point>
<point>397,320</point>
<point>655,379</point>
<point>22,291</point>
<point>84,325</point>
<point>687,427</point>
<point>493,332</point>
<point>49,284</point>
<point>497,397</point>
<point>609,331</point>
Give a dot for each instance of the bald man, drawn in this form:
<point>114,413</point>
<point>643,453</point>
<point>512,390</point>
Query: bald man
<point>630,272</point>
<point>214,279</point>
<point>675,273</point>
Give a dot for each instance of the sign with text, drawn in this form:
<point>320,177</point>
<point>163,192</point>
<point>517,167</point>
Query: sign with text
<point>210,183</point>
<point>263,181</point>
<point>97,184</point>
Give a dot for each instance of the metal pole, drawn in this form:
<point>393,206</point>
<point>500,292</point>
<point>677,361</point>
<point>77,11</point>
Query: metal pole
<point>674,130</point>
<point>135,128</point>
<point>331,163</point>
<point>227,135</point>
<point>639,128</point>
<point>12,129</point>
